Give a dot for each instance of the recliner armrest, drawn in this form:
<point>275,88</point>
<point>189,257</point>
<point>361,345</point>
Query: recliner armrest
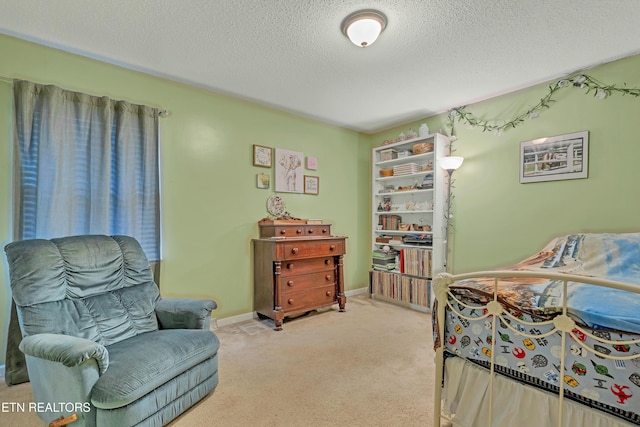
<point>184,313</point>
<point>68,350</point>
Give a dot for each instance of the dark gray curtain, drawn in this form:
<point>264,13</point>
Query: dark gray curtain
<point>84,165</point>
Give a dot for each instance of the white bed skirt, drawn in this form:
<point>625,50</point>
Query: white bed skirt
<point>466,402</point>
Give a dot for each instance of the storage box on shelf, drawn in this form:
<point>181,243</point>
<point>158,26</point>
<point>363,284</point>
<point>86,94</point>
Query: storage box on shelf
<point>408,219</point>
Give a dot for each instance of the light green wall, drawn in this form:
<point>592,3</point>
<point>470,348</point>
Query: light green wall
<point>497,220</point>
<point>210,202</point>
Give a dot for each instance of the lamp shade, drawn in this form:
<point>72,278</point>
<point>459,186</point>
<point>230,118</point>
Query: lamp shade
<point>451,163</point>
<point>364,27</point>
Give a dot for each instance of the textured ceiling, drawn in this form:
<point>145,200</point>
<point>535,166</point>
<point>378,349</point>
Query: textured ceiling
<point>291,54</point>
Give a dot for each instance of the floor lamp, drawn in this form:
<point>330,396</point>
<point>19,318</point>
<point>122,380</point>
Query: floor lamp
<point>449,164</point>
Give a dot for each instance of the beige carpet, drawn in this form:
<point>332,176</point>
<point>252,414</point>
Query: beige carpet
<point>369,366</point>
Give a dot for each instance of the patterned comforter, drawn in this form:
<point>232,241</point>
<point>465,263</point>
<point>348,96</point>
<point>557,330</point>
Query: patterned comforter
<point>611,256</point>
<point>609,315</point>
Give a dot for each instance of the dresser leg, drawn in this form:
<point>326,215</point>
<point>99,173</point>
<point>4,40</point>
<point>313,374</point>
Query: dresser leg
<point>342,298</point>
<point>342,301</point>
<point>278,318</point>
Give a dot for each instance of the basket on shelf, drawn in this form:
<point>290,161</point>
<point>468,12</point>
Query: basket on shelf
<point>418,227</point>
<point>422,147</point>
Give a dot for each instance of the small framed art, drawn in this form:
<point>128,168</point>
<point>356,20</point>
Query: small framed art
<point>312,163</point>
<point>261,156</point>
<point>311,184</point>
<point>263,180</point>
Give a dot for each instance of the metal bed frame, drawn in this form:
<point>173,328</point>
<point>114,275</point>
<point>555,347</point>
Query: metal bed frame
<point>562,323</point>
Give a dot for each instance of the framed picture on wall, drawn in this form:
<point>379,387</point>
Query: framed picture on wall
<point>555,158</point>
<point>289,171</point>
<point>261,156</point>
<point>311,184</point>
<point>312,163</point>
<point>263,180</point>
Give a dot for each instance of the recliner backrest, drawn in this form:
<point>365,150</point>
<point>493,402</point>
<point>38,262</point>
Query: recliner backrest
<point>95,287</point>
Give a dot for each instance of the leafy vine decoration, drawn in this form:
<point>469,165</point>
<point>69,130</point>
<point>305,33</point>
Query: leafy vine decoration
<point>578,80</point>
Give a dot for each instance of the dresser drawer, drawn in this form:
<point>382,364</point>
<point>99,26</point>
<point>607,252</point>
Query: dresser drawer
<point>303,266</point>
<point>306,281</point>
<point>308,248</point>
<point>317,230</point>
<point>309,299</point>
<point>296,230</point>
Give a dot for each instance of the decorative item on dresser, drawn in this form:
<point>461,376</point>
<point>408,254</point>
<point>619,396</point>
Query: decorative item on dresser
<point>298,267</point>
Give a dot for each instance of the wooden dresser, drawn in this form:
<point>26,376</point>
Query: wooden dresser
<point>298,267</point>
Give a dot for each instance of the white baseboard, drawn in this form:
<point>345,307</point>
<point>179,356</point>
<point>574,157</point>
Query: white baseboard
<point>217,323</point>
<point>358,291</point>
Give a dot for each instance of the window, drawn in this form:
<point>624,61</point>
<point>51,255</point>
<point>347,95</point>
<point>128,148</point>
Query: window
<point>85,165</point>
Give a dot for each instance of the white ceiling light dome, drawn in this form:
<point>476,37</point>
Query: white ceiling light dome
<point>364,26</point>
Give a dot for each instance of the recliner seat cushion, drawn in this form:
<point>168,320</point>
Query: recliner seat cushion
<point>142,363</point>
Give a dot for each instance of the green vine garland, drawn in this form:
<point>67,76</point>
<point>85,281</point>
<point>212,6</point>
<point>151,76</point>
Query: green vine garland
<point>577,80</point>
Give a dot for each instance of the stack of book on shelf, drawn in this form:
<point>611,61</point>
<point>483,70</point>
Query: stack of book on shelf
<point>416,262</point>
<point>406,169</point>
<point>412,290</point>
<point>384,261</point>
<point>427,182</point>
<point>389,222</point>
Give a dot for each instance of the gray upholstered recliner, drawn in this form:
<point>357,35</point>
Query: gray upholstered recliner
<point>99,340</point>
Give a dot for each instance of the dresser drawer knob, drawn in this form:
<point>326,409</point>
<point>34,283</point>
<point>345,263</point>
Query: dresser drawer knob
<point>310,231</point>
<point>327,261</point>
<point>327,277</point>
<point>283,231</point>
<point>324,231</point>
<point>294,250</point>
<point>328,293</point>
<point>332,247</point>
<point>299,231</point>
<point>290,283</point>
<point>289,266</point>
<point>290,300</point>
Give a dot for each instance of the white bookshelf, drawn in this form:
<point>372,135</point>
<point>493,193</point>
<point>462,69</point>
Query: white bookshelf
<point>408,196</point>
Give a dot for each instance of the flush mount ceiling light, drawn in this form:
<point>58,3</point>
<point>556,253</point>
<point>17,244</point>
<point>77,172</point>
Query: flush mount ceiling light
<point>364,26</point>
